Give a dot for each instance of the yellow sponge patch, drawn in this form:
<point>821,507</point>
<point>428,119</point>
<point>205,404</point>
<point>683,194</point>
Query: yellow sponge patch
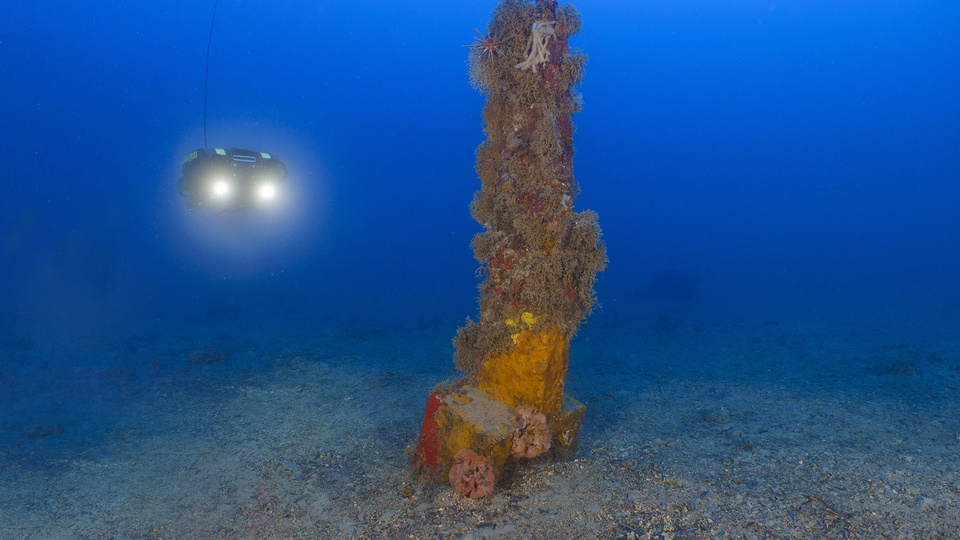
<point>531,374</point>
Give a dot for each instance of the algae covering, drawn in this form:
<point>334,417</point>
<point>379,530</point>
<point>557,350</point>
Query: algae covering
<point>539,256</point>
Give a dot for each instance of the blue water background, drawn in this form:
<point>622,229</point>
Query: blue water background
<point>785,157</point>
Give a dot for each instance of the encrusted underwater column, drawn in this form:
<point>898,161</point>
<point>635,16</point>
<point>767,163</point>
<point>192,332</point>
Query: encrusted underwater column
<point>540,258</point>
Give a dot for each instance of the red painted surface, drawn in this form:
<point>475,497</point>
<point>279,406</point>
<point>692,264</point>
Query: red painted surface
<point>429,445</point>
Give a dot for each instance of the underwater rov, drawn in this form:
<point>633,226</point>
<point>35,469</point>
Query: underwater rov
<point>227,179</point>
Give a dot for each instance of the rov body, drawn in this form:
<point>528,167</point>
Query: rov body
<point>230,179</point>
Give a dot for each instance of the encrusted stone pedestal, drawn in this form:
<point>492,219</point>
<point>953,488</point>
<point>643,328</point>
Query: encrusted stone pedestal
<point>539,258</point>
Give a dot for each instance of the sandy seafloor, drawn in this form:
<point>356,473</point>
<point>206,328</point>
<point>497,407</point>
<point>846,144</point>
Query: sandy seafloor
<point>700,424</point>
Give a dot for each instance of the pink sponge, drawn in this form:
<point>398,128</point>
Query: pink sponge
<point>531,437</point>
<point>472,474</point>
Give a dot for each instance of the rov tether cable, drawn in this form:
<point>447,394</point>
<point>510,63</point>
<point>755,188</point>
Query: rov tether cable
<point>206,73</point>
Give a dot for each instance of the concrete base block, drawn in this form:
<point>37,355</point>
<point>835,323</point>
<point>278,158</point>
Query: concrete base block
<point>470,418</point>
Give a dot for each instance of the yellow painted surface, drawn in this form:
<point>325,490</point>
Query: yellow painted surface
<point>533,373</point>
<point>480,423</point>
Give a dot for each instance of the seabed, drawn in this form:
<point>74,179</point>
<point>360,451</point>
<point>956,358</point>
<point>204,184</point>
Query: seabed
<point>718,426</point>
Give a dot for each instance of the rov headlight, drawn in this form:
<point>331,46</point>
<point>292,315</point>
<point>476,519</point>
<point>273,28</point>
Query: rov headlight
<point>221,188</point>
<point>266,191</point>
